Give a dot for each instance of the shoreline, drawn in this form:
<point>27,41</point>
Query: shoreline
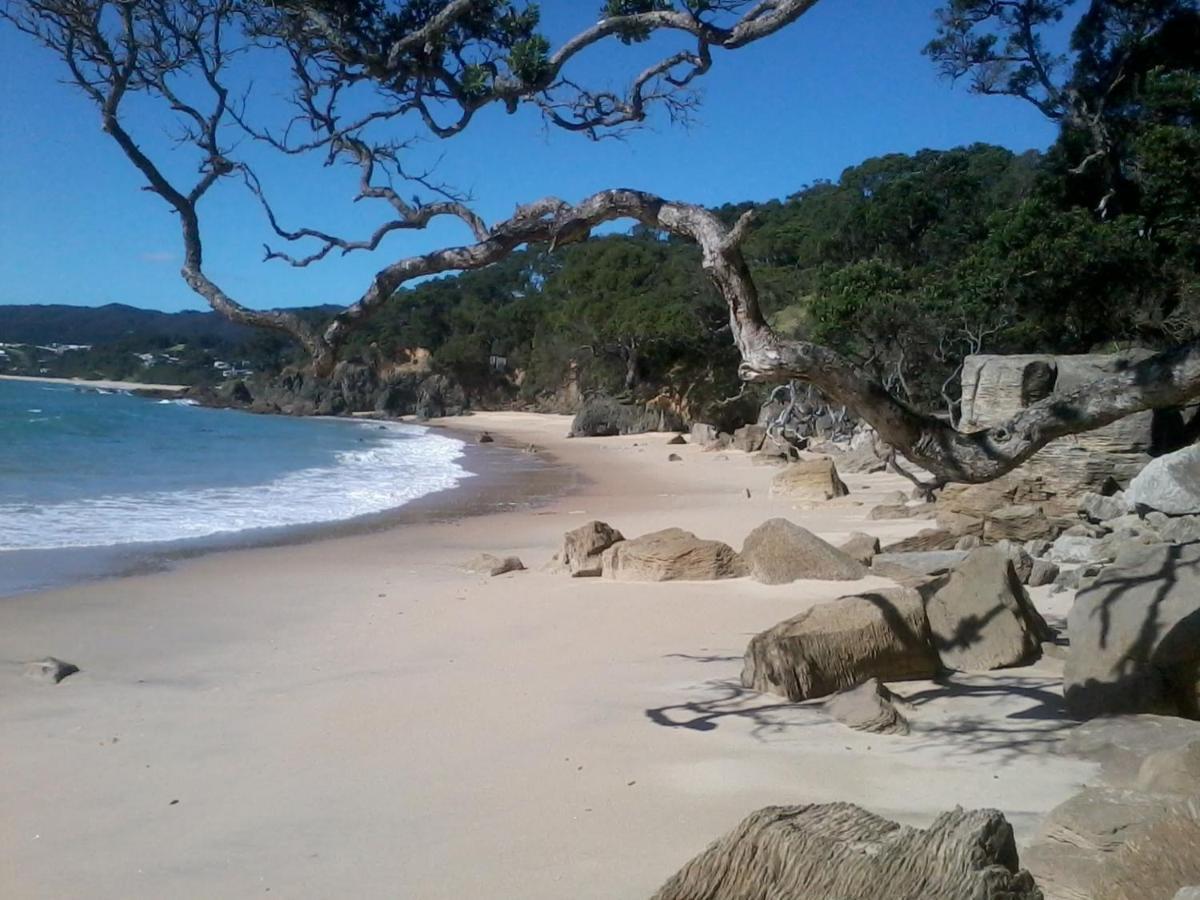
<point>498,479</point>
<point>99,384</point>
<point>358,715</point>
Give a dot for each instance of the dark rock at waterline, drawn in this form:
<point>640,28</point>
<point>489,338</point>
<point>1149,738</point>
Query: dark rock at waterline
<point>485,438</point>
<point>50,670</point>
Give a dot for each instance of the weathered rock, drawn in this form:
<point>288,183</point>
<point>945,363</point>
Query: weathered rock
<point>780,552</point>
<point>584,546</point>
<point>833,646</point>
<point>968,542</point>
<point>839,851</point>
<point>1022,522</point>
<point>671,555</point>
<point>812,479</point>
<point>1172,771</point>
<point>908,565</point>
<point>980,618</point>
<point>861,546</point>
<point>1077,549</point>
<point>749,438</point>
<point>50,670</point>
<point>1188,893</point>
<point>1169,484</point>
<point>1098,508</point>
<point>485,438</point>
<point>1042,572</point>
<point>1084,529</point>
<point>1158,860</point>
<point>1038,548</point>
<point>487,564</point>
<point>868,707</point>
<point>674,457</point>
<point>1135,635</point>
<point>927,539</point>
<point>678,439</point>
<point>703,434</point>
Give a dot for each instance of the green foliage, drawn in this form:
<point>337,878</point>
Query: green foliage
<point>634,33</point>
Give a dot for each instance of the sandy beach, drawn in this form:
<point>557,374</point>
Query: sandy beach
<point>357,716</point>
<point>98,384</point>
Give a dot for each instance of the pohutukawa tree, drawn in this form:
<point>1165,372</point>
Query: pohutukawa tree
<point>363,69</point>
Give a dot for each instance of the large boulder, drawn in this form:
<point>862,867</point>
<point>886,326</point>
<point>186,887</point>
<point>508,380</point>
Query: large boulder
<point>779,552</point>
<point>838,645</point>
<point>1169,484</point>
<point>1135,635</point>
<point>1021,522</point>
<point>810,479</point>
<point>839,851</point>
<point>671,555</point>
<point>981,618</point>
<point>583,547</point>
<point>1123,744</point>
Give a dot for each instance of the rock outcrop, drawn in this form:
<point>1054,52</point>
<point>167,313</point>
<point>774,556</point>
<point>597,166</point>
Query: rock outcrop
<point>671,555</point>
<point>780,552</point>
<point>980,617</point>
<point>605,417</point>
<point>839,851</point>
<point>810,479</point>
<point>916,563</point>
<point>584,546</point>
<point>1135,635</point>
<point>50,670</point>
<point>861,546</point>
<point>839,645</point>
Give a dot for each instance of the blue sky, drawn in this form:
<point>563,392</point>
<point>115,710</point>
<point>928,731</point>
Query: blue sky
<point>845,83</point>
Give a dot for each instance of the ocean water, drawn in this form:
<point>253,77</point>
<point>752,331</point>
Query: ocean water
<point>80,469</point>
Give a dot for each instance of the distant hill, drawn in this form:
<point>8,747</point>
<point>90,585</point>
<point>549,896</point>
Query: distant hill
<point>59,323</point>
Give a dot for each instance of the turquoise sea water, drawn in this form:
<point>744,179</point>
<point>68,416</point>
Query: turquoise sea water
<point>85,469</point>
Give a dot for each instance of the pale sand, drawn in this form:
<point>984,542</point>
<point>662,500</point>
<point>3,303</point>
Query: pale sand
<point>357,717</point>
<point>98,384</point>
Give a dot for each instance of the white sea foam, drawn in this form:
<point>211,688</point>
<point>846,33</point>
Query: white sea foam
<point>390,474</point>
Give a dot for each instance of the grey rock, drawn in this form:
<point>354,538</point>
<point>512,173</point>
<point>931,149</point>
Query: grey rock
<point>583,548</point>
<point>1135,635</point>
<point>1181,530</point>
<point>839,851</point>
<point>1169,484</point>
<point>50,670</point>
<point>968,542</point>
<point>1077,549</point>
<point>1043,572</point>
<point>1020,522</point>
<point>703,434</point>
<point>861,546</point>
<point>838,645</point>
<point>780,552</point>
<point>980,617</point>
<point>485,438</point>
<point>1084,529</point>
<point>1038,547</point>
<point>927,539</point>
<point>906,565</point>
<point>1098,508</point>
<point>487,564</point>
<point>889,511</point>
<point>671,555</point>
<point>678,439</point>
<point>1187,893</point>
<point>1175,770</point>
<point>1076,577</point>
<point>862,461</point>
<point>868,707</point>
<point>674,457</point>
